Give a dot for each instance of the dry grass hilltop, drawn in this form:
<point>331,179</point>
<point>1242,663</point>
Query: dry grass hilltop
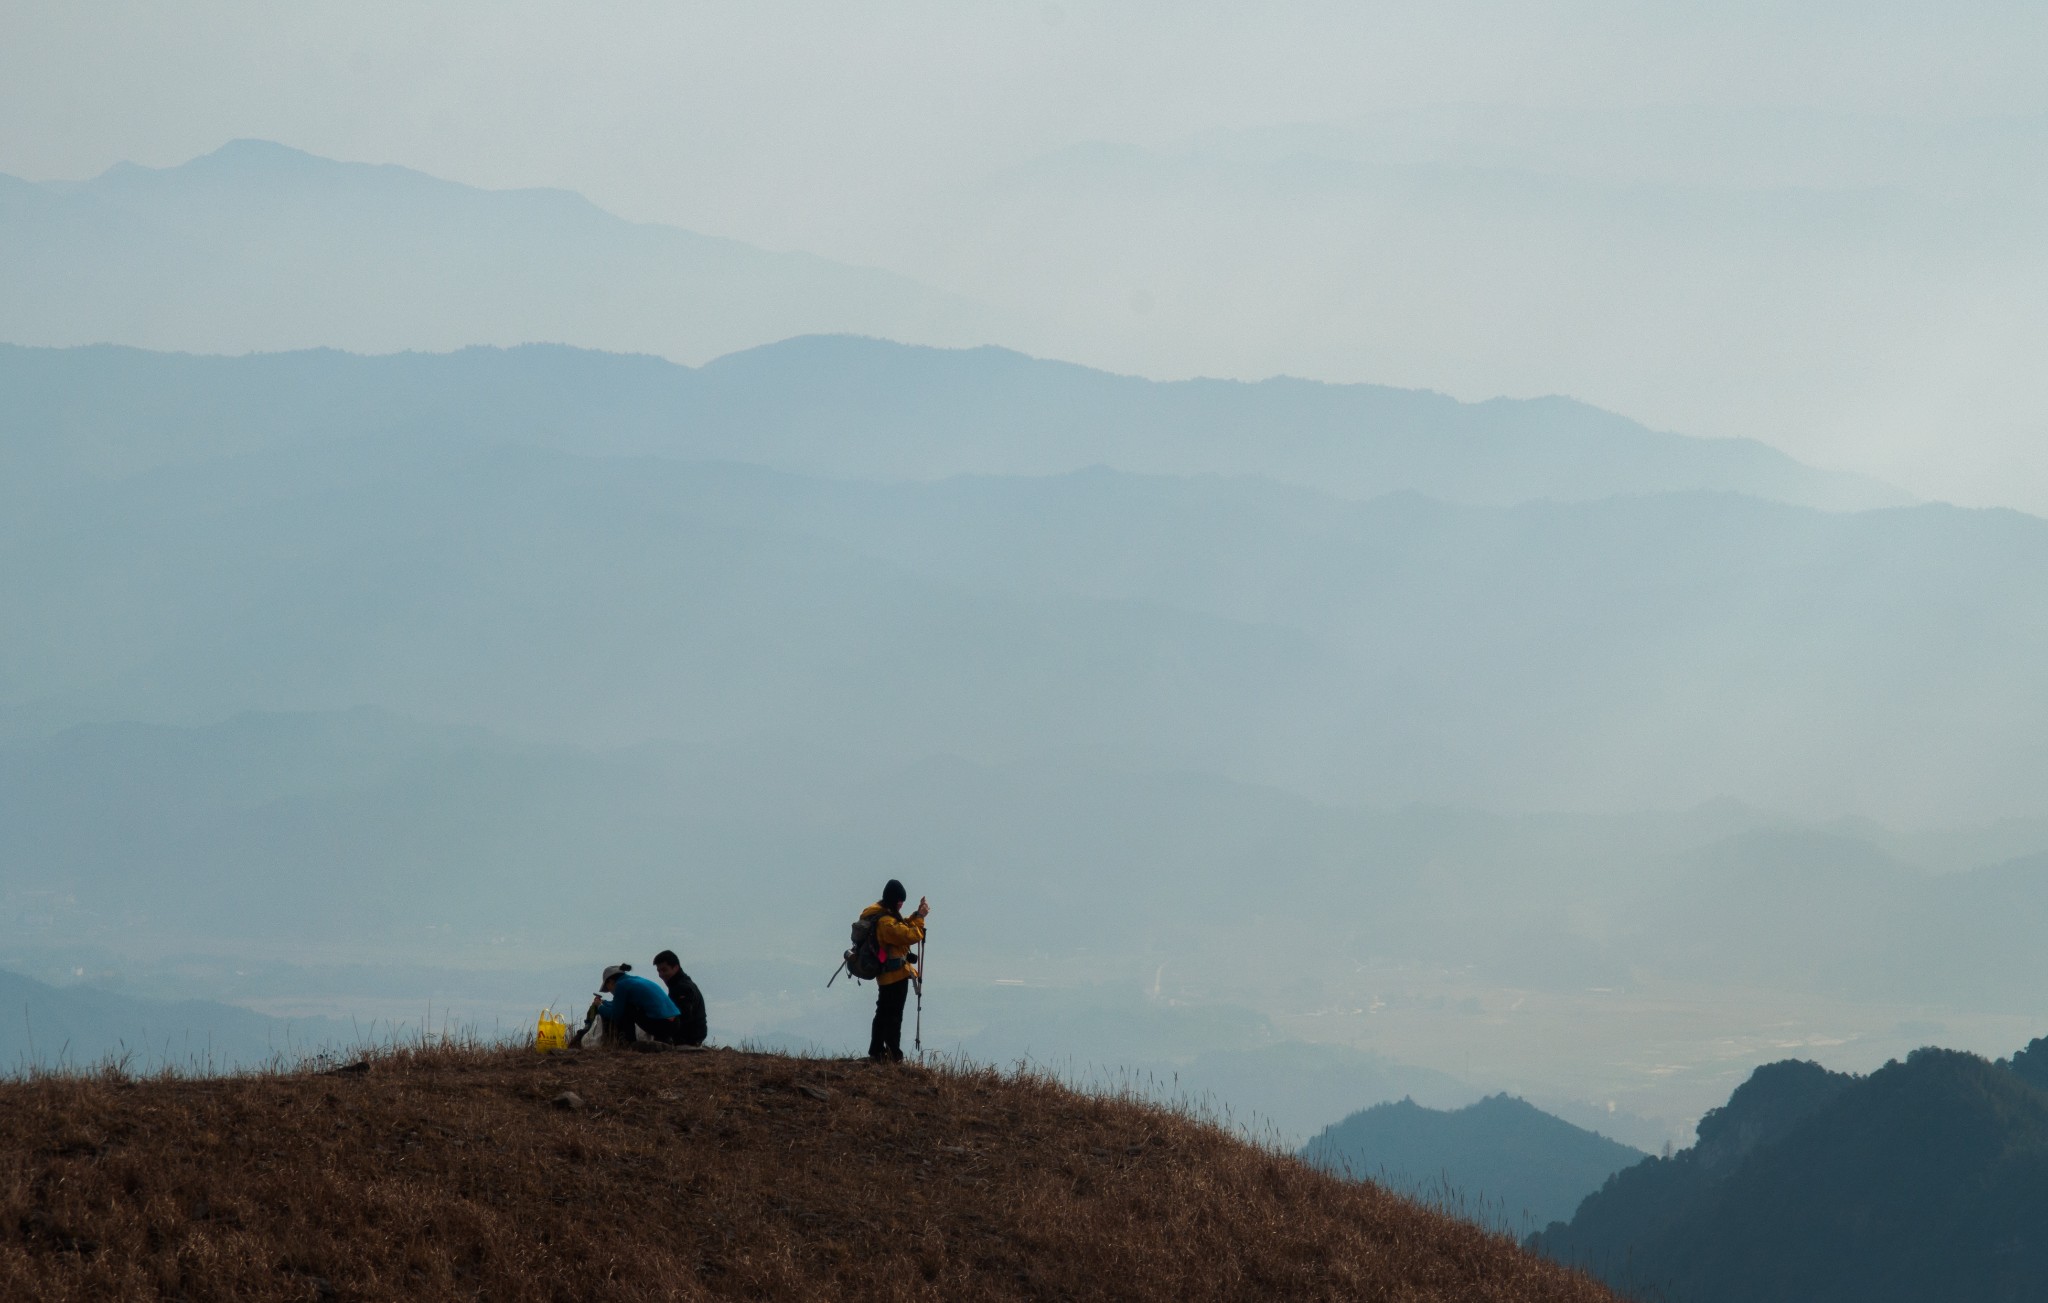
<point>507,1175</point>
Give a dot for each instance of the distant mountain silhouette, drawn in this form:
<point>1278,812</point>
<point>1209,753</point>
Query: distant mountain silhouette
<point>44,1026</point>
<point>259,246</point>
<point>1927,1179</point>
<point>440,636</point>
<point>868,409</point>
<point>185,554</point>
<point>1501,1161</point>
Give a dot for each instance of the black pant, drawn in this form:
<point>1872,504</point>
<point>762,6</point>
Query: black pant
<point>669,1031</point>
<point>887,1037</point>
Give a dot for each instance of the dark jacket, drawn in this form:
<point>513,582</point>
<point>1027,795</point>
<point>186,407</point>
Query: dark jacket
<point>690,1001</point>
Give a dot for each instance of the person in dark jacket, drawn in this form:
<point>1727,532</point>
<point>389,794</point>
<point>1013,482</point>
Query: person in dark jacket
<point>639,1003</point>
<point>895,935</point>
<point>683,993</point>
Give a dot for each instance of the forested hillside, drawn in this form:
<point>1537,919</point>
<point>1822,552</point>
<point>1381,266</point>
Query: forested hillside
<point>1926,1179</point>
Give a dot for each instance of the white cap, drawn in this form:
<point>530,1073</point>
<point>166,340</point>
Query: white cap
<point>613,971</point>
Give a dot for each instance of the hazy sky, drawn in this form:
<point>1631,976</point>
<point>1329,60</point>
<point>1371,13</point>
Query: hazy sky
<point>1814,223</point>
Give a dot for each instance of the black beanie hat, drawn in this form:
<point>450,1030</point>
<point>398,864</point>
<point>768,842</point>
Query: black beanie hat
<point>894,894</point>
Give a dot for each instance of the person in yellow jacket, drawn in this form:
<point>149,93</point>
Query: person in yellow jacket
<point>895,935</point>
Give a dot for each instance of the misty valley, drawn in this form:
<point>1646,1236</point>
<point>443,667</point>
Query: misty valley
<point>339,704</point>
<point>1625,841</point>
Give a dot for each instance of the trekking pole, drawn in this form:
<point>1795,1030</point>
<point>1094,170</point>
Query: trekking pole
<point>836,972</point>
<point>917,1037</point>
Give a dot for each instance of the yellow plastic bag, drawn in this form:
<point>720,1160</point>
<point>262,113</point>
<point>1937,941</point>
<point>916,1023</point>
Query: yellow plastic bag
<point>551,1033</point>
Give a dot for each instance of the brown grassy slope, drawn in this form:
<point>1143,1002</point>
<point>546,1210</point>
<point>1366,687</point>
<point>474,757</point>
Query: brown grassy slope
<point>450,1174</point>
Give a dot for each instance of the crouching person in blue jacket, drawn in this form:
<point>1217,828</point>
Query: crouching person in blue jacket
<point>637,1002</point>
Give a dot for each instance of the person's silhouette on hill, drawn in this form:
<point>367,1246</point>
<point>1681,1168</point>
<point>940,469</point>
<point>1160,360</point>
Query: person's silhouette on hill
<point>895,935</point>
<point>683,993</point>
<point>637,1003</point>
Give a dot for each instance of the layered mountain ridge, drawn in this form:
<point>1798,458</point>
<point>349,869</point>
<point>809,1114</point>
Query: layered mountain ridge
<point>852,408</point>
<point>260,246</point>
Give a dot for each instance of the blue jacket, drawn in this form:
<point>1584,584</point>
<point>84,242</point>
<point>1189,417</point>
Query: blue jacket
<point>637,998</point>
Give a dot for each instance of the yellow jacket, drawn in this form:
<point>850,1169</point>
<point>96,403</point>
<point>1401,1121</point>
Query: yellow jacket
<point>896,939</point>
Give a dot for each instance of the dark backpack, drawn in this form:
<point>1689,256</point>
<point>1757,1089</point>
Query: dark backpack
<point>864,961</point>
